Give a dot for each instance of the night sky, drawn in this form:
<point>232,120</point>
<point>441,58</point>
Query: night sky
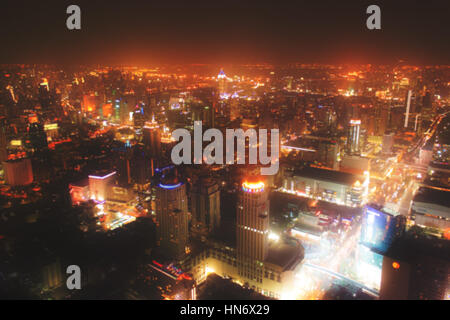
<point>148,32</point>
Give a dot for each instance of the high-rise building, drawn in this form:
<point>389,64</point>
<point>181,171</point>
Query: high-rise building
<point>222,78</point>
<point>44,95</point>
<point>252,221</point>
<point>252,230</point>
<point>172,218</point>
<point>205,204</point>
<point>353,137</point>
<point>123,157</point>
<point>152,139</point>
<point>141,166</point>
<point>205,114</point>
<point>265,265</point>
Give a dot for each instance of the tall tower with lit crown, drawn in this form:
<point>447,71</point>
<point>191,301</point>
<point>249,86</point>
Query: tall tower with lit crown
<point>252,221</point>
<point>222,78</point>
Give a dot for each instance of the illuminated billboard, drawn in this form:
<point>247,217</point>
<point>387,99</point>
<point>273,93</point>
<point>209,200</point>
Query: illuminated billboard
<point>50,126</point>
<point>379,229</point>
<point>16,143</point>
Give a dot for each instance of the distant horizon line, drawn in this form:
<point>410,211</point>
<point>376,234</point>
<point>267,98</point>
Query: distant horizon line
<point>228,64</point>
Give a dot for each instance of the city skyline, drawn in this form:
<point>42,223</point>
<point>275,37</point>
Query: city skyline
<point>224,151</point>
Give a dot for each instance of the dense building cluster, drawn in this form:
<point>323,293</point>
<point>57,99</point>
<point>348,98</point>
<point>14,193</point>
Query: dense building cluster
<point>358,208</point>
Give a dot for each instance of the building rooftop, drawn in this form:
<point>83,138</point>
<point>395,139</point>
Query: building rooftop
<point>285,255</point>
<point>433,196</point>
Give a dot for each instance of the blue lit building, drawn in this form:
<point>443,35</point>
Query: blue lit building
<point>172,218</point>
<point>379,229</point>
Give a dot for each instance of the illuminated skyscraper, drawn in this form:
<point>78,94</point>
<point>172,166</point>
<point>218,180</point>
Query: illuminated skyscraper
<point>353,137</point>
<point>222,78</point>
<point>253,221</point>
<point>172,218</point>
